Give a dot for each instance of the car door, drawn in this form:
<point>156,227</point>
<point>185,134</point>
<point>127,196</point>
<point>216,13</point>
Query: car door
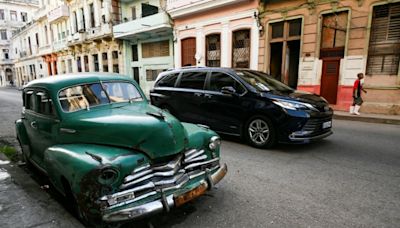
<point>43,125</point>
<point>28,118</point>
<point>189,95</point>
<point>225,111</point>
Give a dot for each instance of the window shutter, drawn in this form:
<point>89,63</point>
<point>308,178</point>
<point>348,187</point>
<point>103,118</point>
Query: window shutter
<point>384,46</point>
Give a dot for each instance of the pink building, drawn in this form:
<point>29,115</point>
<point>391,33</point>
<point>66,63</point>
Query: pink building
<point>321,46</point>
<point>223,33</point>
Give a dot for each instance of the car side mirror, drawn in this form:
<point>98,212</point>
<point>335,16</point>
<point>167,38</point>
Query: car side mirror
<point>228,90</point>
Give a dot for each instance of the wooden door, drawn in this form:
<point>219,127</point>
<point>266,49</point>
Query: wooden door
<point>330,79</point>
<point>188,52</point>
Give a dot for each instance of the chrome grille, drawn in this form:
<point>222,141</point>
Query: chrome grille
<point>149,179</point>
<point>315,124</point>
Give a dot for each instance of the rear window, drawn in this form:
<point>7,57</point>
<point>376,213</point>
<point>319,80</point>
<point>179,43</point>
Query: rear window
<point>167,80</point>
<point>193,80</point>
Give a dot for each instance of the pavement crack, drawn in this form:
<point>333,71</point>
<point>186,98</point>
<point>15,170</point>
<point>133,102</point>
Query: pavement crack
<point>41,224</point>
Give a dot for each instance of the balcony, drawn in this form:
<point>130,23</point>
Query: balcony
<point>105,30</point>
<point>59,45</point>
<point>145,27</point>
<point>180,8</point>
<point>40,14</point>
<point>59,13</point>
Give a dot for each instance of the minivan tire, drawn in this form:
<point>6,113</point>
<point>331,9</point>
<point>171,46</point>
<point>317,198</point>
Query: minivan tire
<point>260,132</point>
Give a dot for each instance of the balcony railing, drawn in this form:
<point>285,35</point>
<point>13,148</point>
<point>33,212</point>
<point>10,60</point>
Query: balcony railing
<point>187,7</point>
<point>59,44</point>
<point>140,25</point>
<point>58,13</point>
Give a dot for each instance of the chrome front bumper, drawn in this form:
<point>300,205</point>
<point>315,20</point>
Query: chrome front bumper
<point>165,203</point>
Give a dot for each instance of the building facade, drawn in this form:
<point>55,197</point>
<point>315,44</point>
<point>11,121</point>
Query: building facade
<point>14,14</point>
<point>321,46</point>
<point>221,33</point>
<point>146,31</point>
<point>68,37</point>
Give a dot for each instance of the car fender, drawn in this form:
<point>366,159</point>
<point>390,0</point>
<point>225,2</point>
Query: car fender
<point>81,165</point>
<point>21,132</point>
<point>199,136</point>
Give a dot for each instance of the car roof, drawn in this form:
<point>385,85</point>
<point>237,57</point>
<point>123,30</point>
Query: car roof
<point>62,81</point>
<point>191,69</point>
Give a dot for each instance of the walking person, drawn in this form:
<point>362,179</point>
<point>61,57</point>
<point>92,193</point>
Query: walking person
<point>357,100</point>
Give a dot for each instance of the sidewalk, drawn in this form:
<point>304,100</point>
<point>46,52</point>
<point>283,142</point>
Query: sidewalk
<point>365,117</point>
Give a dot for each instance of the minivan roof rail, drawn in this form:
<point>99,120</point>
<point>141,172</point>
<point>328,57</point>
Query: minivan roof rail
<point>185,67</point>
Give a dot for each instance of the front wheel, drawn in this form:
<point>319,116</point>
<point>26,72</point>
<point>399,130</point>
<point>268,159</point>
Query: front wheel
<point>260,132</point>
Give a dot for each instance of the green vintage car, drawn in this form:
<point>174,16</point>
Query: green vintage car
<point>110,152</point>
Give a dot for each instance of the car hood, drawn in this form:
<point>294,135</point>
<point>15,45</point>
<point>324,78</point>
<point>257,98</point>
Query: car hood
<point>301,96</point>
<point>141,127</point>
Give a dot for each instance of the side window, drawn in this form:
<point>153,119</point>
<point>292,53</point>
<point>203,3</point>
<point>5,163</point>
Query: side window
<point>219,80</point>
<point>167,80</point>
<point>193,80</point>
<point>45,104</point>
<point>29,100</point>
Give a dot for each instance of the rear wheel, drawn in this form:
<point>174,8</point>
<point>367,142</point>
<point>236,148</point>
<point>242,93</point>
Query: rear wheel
<point>260,132</point>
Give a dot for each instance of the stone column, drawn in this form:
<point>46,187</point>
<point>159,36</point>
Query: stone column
<point>225,45</point>
<point>255,40</point>
<point>200,47</point>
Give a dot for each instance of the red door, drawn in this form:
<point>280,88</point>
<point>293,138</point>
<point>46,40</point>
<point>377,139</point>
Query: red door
<point>188,52</point>
<point>330,79</point>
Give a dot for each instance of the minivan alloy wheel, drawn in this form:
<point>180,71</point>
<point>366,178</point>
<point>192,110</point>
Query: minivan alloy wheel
<point>259,131</point>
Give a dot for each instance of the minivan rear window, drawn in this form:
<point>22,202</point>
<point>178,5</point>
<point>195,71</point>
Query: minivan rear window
<point>167,81</point>
<point>193,80</point>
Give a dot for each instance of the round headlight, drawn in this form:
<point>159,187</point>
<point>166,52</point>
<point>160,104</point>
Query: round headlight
<point>215,143</point>
<point>108,176</point>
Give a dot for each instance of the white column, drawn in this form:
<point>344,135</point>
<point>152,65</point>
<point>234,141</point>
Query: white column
<point>91,63</point>
<point>100,58</point>
<point>255,39</point>
<point>200,47</point>
<point>177,50</point>
<point>110,61</point>
<point>225,45</point>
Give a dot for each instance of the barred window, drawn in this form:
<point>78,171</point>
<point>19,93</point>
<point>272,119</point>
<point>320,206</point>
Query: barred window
<point>213,46</point>
<point>384,44</point>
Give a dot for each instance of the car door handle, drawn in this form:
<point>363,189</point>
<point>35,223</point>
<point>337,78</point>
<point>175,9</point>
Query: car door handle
<point>34,125</point>
<point>197,94</point>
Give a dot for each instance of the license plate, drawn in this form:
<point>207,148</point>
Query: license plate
<point>188,196</point>
<point>327,125</point>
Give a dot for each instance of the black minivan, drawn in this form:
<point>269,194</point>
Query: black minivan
<point>245,103</point>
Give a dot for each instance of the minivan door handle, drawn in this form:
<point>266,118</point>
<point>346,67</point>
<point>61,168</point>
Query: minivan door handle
<point>34,125</point>
<point>197,94</point>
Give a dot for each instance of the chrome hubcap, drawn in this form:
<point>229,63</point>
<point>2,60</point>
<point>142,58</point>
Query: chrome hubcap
<point>259,131</point>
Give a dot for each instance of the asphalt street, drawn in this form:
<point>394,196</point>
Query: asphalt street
<point>351,179</point>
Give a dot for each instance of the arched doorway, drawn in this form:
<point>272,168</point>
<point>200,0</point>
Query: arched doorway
<point>9,76</point>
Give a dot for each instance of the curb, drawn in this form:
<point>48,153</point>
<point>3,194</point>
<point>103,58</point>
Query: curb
<point>368,119</point>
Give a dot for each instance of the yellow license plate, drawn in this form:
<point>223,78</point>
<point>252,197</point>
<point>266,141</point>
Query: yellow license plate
<point>188,196</point>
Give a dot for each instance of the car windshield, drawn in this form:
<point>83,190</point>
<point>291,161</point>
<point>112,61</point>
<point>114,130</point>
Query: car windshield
<point>262,82</point>
<point>88,95</point>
